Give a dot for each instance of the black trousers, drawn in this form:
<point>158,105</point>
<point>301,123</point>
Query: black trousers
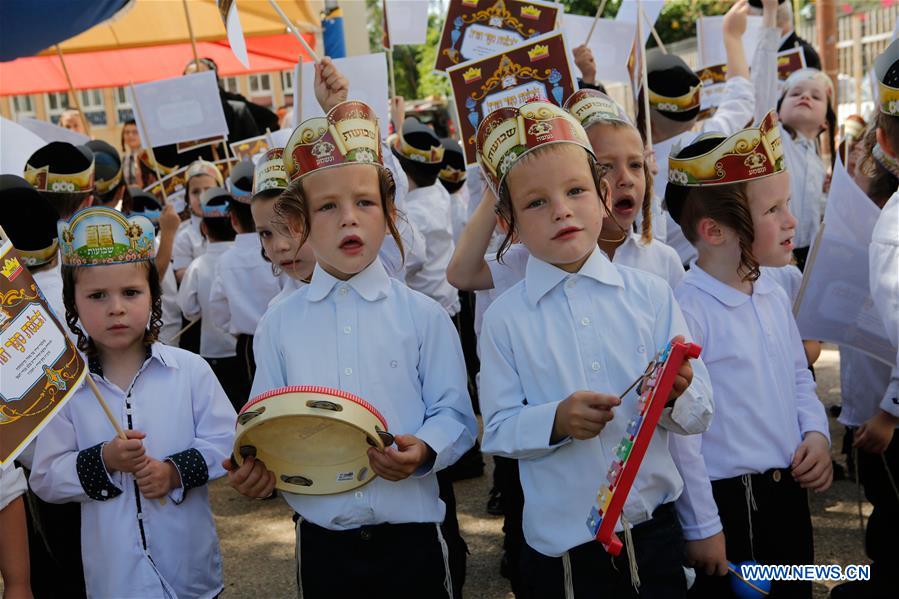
<point>54,548</point>
<point>456,545</point>
<point>231,374</point>
<point>781,530</point>
<point>403,561</point>
<point>190,339</point>
<point>658,548</point>
<point>507,482</point>
<point>883,525</point>
<point>247,361</point>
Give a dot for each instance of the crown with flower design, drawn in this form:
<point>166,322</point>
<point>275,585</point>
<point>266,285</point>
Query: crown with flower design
<point>590,106</point>
<point>507,134</point>
<point>97,236</point>
<point>270,172</point>
<point>752,153</point>
<point>887,82</point>
<point>349,134</point>
<point>59,156</point>
<point>204,167</point>
<point>685,103</point>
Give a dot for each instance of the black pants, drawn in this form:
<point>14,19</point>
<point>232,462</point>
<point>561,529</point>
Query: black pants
<point>658,547</point>
<point>883,525</point>
<point>246,359</point>
<point>464,321</point>
<point>54,548</point>
<point>190,339</point>
<point>507,483</point>
<point>402,561</point>
<point>781,531</point>
<point>456,546</point>
<point>231,374</point>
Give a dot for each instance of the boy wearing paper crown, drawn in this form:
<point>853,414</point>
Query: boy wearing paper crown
<point>189,242</point>
<point>178,424</point>
<point>600,324</point>
<point>64,175</point>
<point>109,184</point>
<point>376,338</point>
<point>769,442</point>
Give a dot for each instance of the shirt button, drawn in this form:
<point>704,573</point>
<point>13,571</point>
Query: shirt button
<point>585,321</point>
<point>359,494</point>
<point>595,366</point>
<point>365,534</point>
<point>570,283</point>
<point>343,291</point>
<point>104,493</point>
<point>348,371</point>
<point>347,330</point>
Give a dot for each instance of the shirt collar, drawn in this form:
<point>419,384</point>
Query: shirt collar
<point>372,283</point>
<point>541,277</point>
<point>218,247</point>
<point>723,292</point>
<point>152,351</point>
<point>248,240</point>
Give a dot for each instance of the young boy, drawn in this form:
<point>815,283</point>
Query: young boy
<point>110,188</point>
<point>189,242</point>
<point>217,346</point>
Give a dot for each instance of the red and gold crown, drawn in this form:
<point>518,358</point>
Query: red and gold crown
<point>887,86</point>
<point>530,12</point>
<point>451,174</point>
<point>270,173</point>
<point>590,106</point>
<point>508,134</point>
<point>749,154</point>
<point>349,134</point>
<point>688,101</point>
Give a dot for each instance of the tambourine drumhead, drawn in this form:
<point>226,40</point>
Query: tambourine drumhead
<point>315,439</point>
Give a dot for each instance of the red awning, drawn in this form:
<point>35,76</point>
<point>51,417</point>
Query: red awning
<point>114,68</point>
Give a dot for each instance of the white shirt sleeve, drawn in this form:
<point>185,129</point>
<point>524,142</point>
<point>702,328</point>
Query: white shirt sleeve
<point>764,72</point>
<point>182,249</point>
<point>809,408</point>
<point>12,485</point>
<point>736,109</point>
<point>219,310</point>
<point>696,507</point>
<point>883,258</point>
<point>188,297</point>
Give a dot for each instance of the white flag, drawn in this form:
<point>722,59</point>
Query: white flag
<point>228,10</point>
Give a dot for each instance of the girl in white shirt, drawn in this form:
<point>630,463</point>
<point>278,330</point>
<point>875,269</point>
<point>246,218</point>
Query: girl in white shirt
<point>146,525</point>
<point>377,339</point>
<point>557,348</point>
<point>769,441</point>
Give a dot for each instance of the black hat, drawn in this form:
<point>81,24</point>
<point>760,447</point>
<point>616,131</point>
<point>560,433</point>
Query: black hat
<point>886,69</point>
<point>758,3</point>
<point>674,89</point>
<point>60,167</point>
<point>145,204</point>
<point>418,143</point>
<point>28,219</point>
<point>240,181</point>
<point>676,194</point>
<point>452,175</point>
<point>214,202</point>
<point>107,166</point>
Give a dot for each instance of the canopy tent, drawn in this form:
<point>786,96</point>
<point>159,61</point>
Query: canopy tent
<point>114,68</point>
<point>26,27</point>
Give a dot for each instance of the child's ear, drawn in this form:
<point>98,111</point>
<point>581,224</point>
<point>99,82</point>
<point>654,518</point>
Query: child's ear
<point>710,231</point>
<point>885,145</point>
<point>233,218</point>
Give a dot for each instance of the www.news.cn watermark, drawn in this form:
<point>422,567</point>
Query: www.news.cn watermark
<point>807,572</point>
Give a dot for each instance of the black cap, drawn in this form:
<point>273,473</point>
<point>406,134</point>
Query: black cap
<point>758,3</point>
<point>107,165</point>
<point>61,158</point>
<point>240,181</point>
<point>28,219</point>
<point>453,155</point>
<point>669,76</point>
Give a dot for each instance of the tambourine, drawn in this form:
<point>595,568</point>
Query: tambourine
<point>315,439</point>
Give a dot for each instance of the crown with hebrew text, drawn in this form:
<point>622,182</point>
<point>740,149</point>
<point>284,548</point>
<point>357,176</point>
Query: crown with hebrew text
<point>97,236</point>
<point>590,106</point>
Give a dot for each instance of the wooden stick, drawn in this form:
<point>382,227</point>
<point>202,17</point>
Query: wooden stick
<point>643,78</point>
<point>184,330</point>
<point>65,71</point>
<point>292,28</point>
<point>146,138</point>
<point>190,30</point>
<point>602,7</point>
<point>655,35</point>
<point>392,74</point>
<point>807,272</point>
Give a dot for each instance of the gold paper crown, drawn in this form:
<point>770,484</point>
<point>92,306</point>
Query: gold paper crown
<point>887,91</point>
<point>688,101</point>
<point>431,156</point>
<point>39,257</point>
<point>471,75</point>
<point>105,186</point>
<point>507,134</point>
<point>590,106</point>
<point>538,52</point>
<point>270,172</point>
<point>204,167</point>
<point>451,174</point>
<point>11,268</point>
<point>97,236</point>
<point>43,180</point>
<point>530,12</point>
<point>752,153</point>
<point>349,134</point>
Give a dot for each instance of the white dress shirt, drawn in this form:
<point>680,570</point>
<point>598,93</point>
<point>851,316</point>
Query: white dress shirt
<point>395,348</point>
<point>765,393</point>
<point>12,485</point>
<point>171,311</point>
<point>883,261</point>
<point>242,287</point>
<point>49,281</point>
<point>789,278</point>
<point>189,242</point>
<point>428,209</point>
<point>654,257</point>
<point>459,211</point>
<point>176,400</point>
<point>863,384</point>
<point>556,333</point>
<point>193,298</point>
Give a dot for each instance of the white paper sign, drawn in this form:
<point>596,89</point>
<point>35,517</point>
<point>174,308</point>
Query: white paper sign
<point>17,144</point>
<point>50,132</point>
<point>628,14</point>
<point>837,305</point>
<point>179,109</point>
<point>407,21</point>
<point>610,43</point>
<point>235,36</point>
<point>367,75</point>
<point>710,39</point>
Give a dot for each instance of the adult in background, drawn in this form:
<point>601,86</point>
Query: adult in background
<point>788,37</point>
<point>130,153</point>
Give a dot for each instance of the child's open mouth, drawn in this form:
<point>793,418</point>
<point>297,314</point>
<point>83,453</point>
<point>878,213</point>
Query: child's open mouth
<point>351,244</point>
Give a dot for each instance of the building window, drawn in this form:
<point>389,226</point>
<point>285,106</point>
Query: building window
<point>231,85</point>
<point>22,106</point>
<point>94,107</point>
<point>261,90</point>
<point>57,102</point>
<point>287,86</point>
<point>124,111</point>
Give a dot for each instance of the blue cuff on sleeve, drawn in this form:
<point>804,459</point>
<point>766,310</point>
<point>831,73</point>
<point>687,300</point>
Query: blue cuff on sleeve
<point>93,474</point>
<point>191,468</point>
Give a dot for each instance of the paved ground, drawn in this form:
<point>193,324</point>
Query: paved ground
<point>258,540</point>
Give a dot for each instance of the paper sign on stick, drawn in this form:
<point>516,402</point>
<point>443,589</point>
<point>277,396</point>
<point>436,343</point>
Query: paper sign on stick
<point>628,14</point>
<point>536,70</point>
<point>367,75</point>
<point>407,21</point>
<point>17,144</point>
<point>479,28</point>
<point>836,305</point>
<point>50,132</point>
<point>710,39</point>
<point>245,149</point>
<point>228,10</point>
<point>39,366</point>
<point>179,109</point>
<point>610,44</point>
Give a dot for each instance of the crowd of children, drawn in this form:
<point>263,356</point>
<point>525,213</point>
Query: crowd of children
<point>530,289</point>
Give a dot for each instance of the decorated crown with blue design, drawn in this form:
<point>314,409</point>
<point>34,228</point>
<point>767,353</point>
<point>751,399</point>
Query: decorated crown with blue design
<point>97,236</point>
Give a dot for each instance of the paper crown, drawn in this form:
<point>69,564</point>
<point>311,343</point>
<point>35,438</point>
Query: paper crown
<point>887,82</point>
<point>507,134</point>
<point>453,170</point>
<point>211,209</point>
<point>749,154</point>
<point>145,204</point>
<point>590,106</point>
<point>107,166</point>
<point>29,220</point>
<point>173,183</point>
<point>673,86</point>
<point>98,236</point>
<point>204,167</point>
<point>809,74</point>
<point>240,181</point>
<point>689,101</point>
<point>270,172</point>
<point>50,169</point>
<point>415,130</point>
<point>349,134</point>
